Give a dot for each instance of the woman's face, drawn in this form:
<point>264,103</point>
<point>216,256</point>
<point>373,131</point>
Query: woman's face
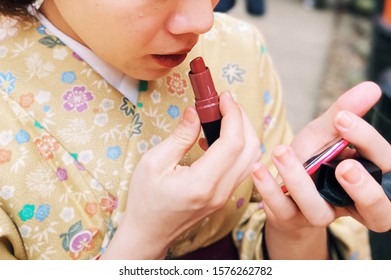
<point>142,38</point>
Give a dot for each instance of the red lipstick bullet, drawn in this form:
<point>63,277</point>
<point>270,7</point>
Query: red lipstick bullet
<point>206,99</point>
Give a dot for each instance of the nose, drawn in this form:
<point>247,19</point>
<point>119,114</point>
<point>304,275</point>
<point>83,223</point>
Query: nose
<point>191,16</point>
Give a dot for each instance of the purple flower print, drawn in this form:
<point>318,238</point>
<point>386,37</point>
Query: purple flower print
<point>62,174</point>
<point>240,203</point>
<point>78,97</point>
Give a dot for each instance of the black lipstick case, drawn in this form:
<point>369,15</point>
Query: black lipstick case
<point>331,190</point>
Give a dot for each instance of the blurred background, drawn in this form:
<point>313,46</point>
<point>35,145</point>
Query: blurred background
<point>320,49</point>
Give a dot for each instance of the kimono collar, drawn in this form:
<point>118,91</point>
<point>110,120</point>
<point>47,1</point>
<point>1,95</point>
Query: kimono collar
<point>126,85</point>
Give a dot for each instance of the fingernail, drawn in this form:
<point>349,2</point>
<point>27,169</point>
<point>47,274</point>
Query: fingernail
<point>259,171</point>
<point>351,174</point>
<point>282,154</point>
<point>189,116</point>
<point>344,120</point>
<point>228,94</point>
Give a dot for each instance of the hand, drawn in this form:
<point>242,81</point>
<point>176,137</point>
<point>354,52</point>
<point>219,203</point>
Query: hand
<point>304,215</point>
<point>166,198</point>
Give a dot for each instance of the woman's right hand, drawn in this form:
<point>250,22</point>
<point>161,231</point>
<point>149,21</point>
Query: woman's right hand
<point>166,198</point>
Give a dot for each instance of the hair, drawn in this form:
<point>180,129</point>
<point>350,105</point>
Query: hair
<point>15,7</point>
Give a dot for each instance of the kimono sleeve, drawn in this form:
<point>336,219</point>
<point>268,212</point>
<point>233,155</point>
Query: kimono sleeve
<point>11,245</point>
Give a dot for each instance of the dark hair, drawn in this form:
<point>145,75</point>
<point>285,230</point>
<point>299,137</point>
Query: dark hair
<point>14,7</point>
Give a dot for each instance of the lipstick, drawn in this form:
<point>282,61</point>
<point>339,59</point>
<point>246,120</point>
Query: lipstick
<point>206,99</point>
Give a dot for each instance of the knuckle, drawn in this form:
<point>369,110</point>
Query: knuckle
<point>237,145</point>
<point>181,136</point>
<point>287,216</point>
<point>148,162</point>
<point>322,219</point>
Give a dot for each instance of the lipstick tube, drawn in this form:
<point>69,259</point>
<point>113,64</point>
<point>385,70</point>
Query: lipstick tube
<point>206,99</point>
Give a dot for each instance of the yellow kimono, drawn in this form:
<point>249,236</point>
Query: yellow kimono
<point>69,142</point>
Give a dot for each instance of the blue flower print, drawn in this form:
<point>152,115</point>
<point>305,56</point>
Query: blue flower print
<point>43,212</point>
<point>68,77</point>
<point>41,30</point>
<point>267,97</point>
<point>46,108</point>
<point>113,152</point>
<point>239,235</point>
<point>263,148</point>
<point>173,111</point>
<point>7,82</point>
<point>22,137</point>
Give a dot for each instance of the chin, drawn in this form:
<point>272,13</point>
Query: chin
<point>152,75</point>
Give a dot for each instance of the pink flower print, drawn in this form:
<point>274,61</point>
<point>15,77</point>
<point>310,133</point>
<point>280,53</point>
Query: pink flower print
<point>176,85</point>
<point>5,156</point>
<point>108,203</point>
<point>46,146</point>
<point>78,97</point>
<point>82,242</point>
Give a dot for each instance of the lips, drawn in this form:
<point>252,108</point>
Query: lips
<point>169,60</point>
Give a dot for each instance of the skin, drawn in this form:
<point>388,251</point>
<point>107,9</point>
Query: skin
<point>296,225</point>
<point>304,214</point>
<point>136,29</point>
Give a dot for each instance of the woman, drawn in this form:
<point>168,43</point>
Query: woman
<point>98,162</point>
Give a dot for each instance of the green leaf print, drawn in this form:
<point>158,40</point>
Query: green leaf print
<point>74,229</point>
<point>51,42</point>
<point>66,241</point>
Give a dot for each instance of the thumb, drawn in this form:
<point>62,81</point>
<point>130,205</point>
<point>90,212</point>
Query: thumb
<point>169,152</point>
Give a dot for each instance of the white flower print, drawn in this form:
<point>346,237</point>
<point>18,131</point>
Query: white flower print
<point>1,230</point>
<point>7,192</point>
<point>42,97</point>
<point>210,35</point>
<point>95,185</point>
<point>156,97</point>
<point>25,231</point>
<point>85,156</point>
<point>250,234</point>
<point>67,159</point>
<point>60,53</point>
<point>22,47</point>
<point>232,72</point>
<point>107,104</point>
<point>243,27</point>
<point>76,132</point>
<point>41,180</point>
<point>37,68</point>
<point>8,28</point>
<point>6,137</point>
<point>67,214</point>
<point>101,119</point>
<point>3,51</point>
<point>142,146</point>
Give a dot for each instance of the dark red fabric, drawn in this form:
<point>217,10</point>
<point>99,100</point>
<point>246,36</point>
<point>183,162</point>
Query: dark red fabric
<point>224,249</point>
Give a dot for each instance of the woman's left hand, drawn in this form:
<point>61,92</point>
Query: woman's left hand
<point>304,214</point>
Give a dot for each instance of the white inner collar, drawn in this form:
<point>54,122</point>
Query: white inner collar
<point>123,83</point>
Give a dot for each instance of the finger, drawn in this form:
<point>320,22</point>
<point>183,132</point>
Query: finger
<point>321,131</point>
<point>369,143</point>
<point>251,153</point>
<point>168,153</point>
<point>223,153</point>
<point>281,206</point>
<point>368,196</point>
<point>244,162</point>
<point>301,187</point>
